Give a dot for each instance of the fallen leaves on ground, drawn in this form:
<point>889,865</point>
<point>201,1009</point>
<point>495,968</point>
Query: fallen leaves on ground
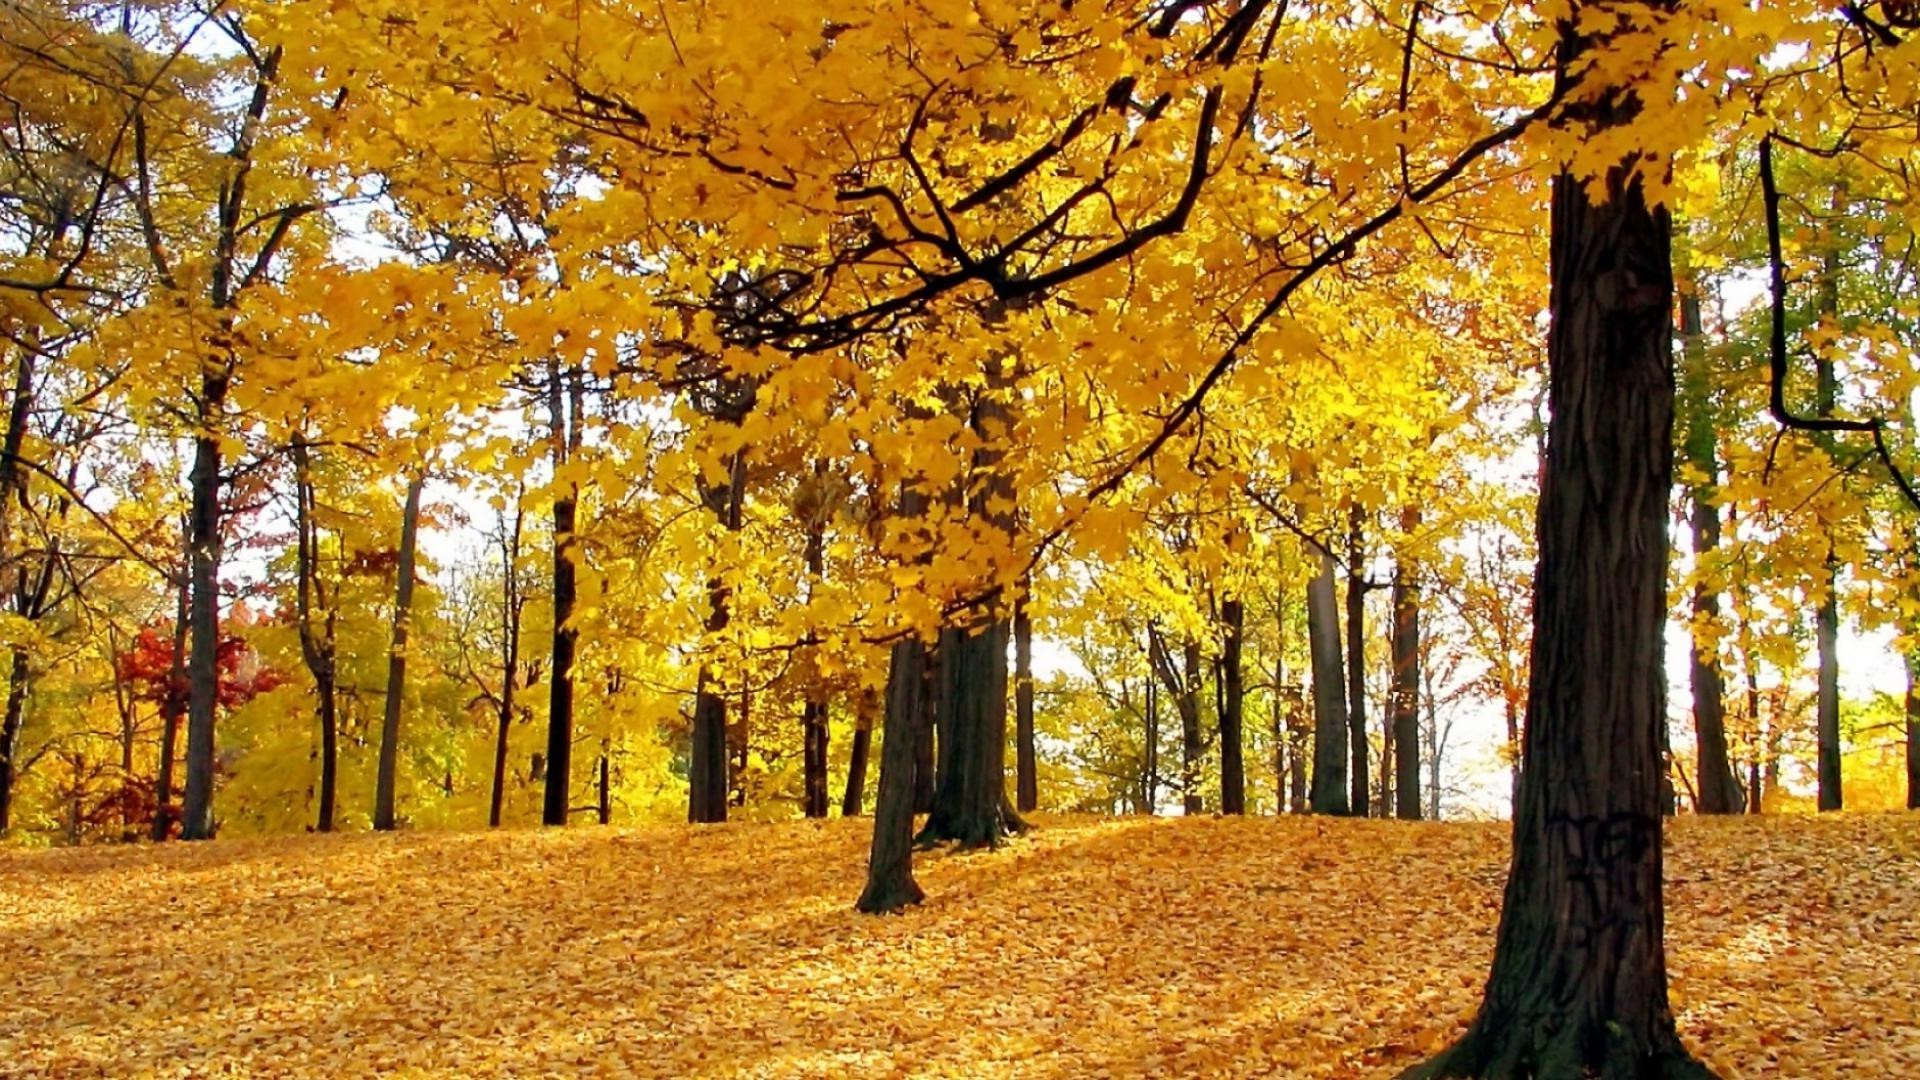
<point>1093,947</point>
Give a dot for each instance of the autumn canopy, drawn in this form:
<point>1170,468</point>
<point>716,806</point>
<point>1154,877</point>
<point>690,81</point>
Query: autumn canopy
<point>439,416</point>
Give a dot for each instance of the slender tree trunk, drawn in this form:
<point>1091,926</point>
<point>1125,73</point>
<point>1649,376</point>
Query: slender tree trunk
<point>813,712</point>
<point>605,805</point>
<point>314,613</point>
<point>857,759</point>
<point>708,782</point>
<point>503,724</point>
<point>1827,619</point>
<point>1719,791</point>
<point>385,782</point>
<point>1150,755</point>
<point>1330,795</point>
<point>19,677</point>
<point>512,605</point>
<point>1233,770</point>
<point>1913,731</point>
<point>1357,667</point>
<point>1406,686</point>
<point>1026,766</point>
<point>558,792</point>
<point>173,709</point>
<point>890,884</point>
<point>1579,979</point>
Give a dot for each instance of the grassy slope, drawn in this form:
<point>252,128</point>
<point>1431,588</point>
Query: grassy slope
<point>1097,947</point>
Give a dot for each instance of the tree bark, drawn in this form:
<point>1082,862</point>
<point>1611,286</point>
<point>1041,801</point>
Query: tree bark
<point>1827,620</point>
<point>708,783</point>
<point>19,677</point>
<point>1330,795</point>
<point>1233,770</point>
<point>857,759</point>
<point>1026,765</point>
<point>1913,731</point>
<point>512,604</point>
<point>1406,687</point>
<point>813,712</point>
<point>316,629</point>
<point>1579,985</point>
<point>1356,667</point>
<point>1150,748</point>
<point>890,885</point>
<point>970,805</point>
<point>386,780</point>
<point>173,709</point>
<point>203,669</point>
<point>604,807</point>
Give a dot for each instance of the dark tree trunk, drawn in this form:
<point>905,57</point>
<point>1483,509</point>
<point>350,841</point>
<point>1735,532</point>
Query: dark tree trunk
<point>1330,795</point>
<point>19,676</point>
<point>857,755</point>
<point>512,604</point>
<point>1026,766</point>
<point>924,729</point>
<point>813,721</point>
<point>605,805</point>
<point>558,791</point>
<point>1579,983</point>
<point>708,783</point>
<point>203,667</point>
<point>387,779</point>
<point>1405,699</point>
<point>1358,774</point>
<point>315,614</point>
<point>1150,753</point>
<point>1913,731</point>
<point>890,884</point>
<point>173,709</point>
<point>1719,791</point>
<point>813,712</point>
<point>970,804</point>
<point>503,724</point>
<point>1182,681</point>
<point>1827,620</point>
<point>1233,696</point>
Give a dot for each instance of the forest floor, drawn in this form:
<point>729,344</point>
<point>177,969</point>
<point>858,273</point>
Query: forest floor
<point>1092,947</point>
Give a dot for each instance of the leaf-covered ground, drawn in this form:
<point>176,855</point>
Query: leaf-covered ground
<point>1291,947</point>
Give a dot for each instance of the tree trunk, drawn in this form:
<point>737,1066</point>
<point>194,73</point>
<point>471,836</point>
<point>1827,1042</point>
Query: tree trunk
<point>203,665</point>
<point>1233,770</point>
<point>924,729</point>
<point>1150,749</point>
<point>558,791</point>
<point>1827,620</point>
<point>857,760</point>
<point>1719,792</point>
<point>511,607</point>
<point>605,805</point>
<point>813,712</point>
<point>173,709</point>
<point>970,804</point>
<point>19,675</point>
<point>1406,687</point>
<point>386,780</point>
<point>1579,983</point>
<point>1356,667</point>
<point>1330,794</point>
<point>497,797</point>
<point>315,615</point>
<point>890,884</point>
<point>1027,781</point>
<point>708,782</point>
<point>1913,731</point>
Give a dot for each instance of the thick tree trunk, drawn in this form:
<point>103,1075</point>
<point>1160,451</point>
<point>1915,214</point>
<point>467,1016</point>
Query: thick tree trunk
<point>925,752</point>
<point>203,666</point>
<point>1579,982</point>
<point>970,805</point>
<point>1233,695</point>
<point>387,779</point>
<point>1330,795</point>
<point>857,755</point>
<point>1406,689</point>
<point>1356,667</point>
<point>1026,766</point>
<point>890,884</point>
